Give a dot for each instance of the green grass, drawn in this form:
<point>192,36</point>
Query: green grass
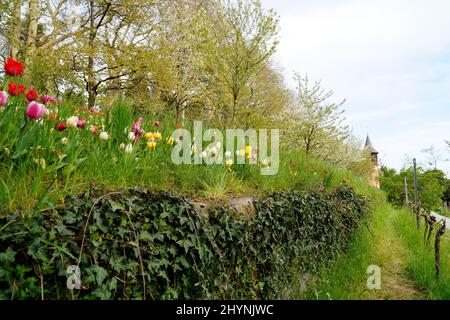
<point>420,261</point>
<point>392,242</point>
<point>346,277</point>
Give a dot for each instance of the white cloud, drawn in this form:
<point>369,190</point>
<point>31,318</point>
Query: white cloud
<point>389,59</point>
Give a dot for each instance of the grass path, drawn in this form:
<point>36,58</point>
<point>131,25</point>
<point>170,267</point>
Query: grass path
<point>380,244</point>
<point>391,255</point>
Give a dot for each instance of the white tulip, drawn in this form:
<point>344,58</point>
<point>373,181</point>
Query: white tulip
<point>213,151</point>
<point>72,122</point>
<point>129,148</point>
<point>104,136</point>
<point>131,136</point>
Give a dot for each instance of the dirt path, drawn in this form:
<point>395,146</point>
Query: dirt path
<point>390,255</point>
<point>440,217</point>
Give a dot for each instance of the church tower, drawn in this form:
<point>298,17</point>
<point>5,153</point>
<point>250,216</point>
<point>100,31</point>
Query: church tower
<point>375,173</point>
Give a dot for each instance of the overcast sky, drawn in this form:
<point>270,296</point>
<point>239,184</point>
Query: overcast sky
<point>389,58</point>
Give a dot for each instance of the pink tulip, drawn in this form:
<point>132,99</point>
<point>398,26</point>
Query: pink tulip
<point>137,130</point>
<point>47,99</point>
<point>137,125</point>
<point>35,110</point>
<point>81,123</point>
<point>3,98</point>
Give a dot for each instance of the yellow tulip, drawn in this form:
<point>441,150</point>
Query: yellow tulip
<point>169,141</point>
<point>157,136</point>
<point>229,163</point>
<point>149,135</point>
<point>151,145</point>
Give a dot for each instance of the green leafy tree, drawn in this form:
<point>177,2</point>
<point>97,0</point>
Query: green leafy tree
<point>431,186</point>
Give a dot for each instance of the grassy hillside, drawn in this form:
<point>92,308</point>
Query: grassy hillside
<point>43,161</point>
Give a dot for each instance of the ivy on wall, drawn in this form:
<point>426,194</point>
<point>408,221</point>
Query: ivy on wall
<point>137,244</point>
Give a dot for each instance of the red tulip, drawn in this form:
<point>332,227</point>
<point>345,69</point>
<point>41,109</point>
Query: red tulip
<point>32,95</point>
<point>156,123</point>
<point>178,126</point>
<point>61,126</point>
<point>16,89</point>
<point>13,68</point>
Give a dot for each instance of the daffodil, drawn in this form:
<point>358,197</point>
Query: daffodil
<point>64,140</point>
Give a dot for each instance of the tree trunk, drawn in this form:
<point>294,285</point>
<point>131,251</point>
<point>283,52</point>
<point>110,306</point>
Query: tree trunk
<point>32,29</point>
<point>15,29</point>
<point>90,76</point>
<point>92,96</point>
<point>233,116</point>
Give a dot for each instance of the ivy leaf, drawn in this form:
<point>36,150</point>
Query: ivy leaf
<point>100,274</point>
<point>70,218</point>
<point>115,206</point>
<point>146,236</point>
<point>8,256</point>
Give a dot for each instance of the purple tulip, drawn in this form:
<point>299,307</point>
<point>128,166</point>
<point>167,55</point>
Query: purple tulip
<point>3,98</point>
<point>35,110</point>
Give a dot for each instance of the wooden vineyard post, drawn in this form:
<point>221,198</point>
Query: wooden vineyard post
<point>437,245</point>
<point>406,193</point>
<point>416,194</point>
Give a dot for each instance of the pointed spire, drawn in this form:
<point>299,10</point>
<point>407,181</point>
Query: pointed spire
<point>369,146</point>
